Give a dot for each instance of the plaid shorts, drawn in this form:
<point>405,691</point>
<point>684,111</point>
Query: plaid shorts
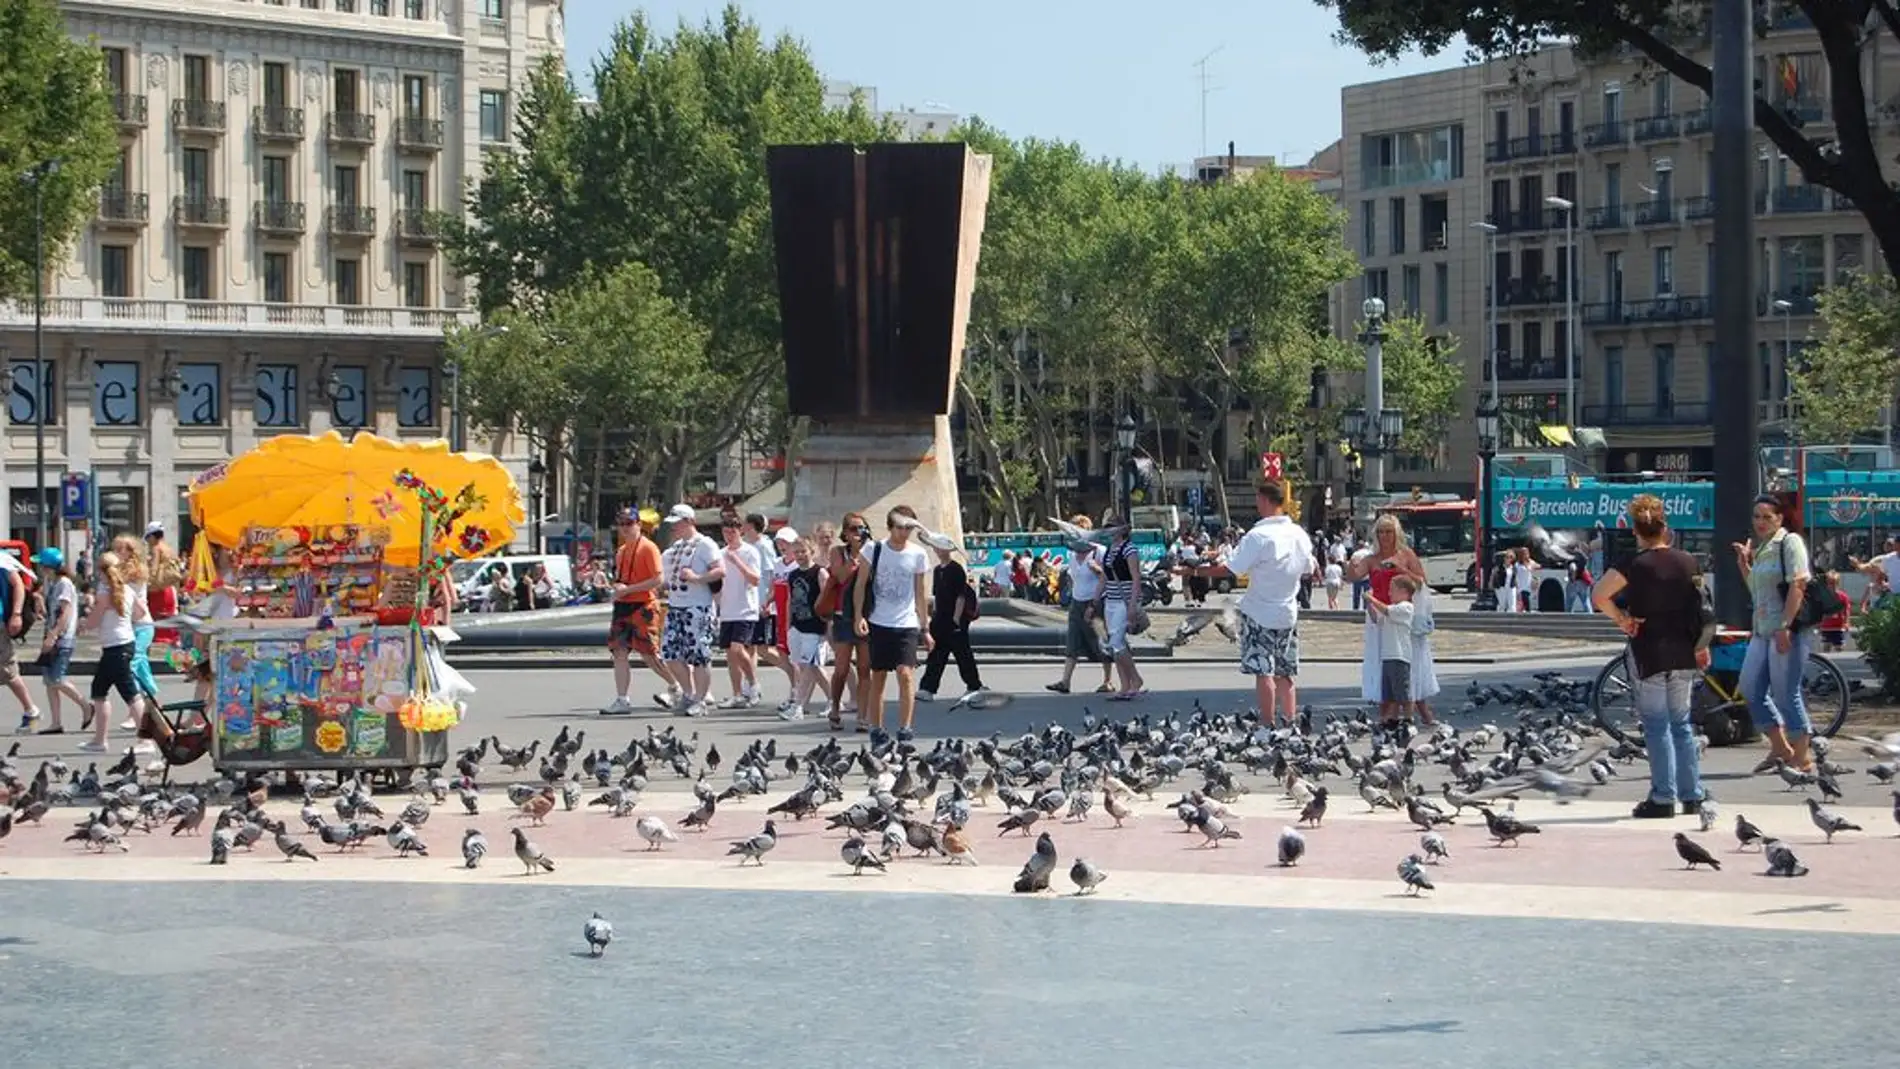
<point>1268,651</point>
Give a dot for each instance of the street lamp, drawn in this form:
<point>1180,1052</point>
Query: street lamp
<point>1485,599</point>
<point>1125,442</point>
<point>38,176</point>
<point>1570,305</point>
<point>537,476</point>
<point>1491,301</point>
<point>1375,429</point>
<point>1785,309</point>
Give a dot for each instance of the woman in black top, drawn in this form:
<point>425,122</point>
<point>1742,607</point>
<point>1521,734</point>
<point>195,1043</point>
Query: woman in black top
<point>1661,612</point>
<point>952,606</point>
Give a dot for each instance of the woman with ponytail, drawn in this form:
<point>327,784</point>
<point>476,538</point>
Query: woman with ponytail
<point>116,611</point>
<point>138,579</point>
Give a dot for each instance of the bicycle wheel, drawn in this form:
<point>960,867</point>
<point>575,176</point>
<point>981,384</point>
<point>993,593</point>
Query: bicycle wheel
<point>1613,696</point>
<point>1824,691</point>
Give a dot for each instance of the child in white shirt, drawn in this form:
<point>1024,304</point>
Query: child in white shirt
<point>1395,647</point>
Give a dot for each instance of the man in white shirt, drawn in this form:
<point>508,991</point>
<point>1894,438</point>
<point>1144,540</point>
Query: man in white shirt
<point>688,569</point>
<point>1274,554</point>
<point>890,593</point>
<point>1083,642</point>
<point>765,633</point>
<point>739,612</point>
<point>1886,565</point>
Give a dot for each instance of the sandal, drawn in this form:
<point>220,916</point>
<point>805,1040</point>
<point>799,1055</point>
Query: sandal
<point>1106,688</point>
<point>837,724</point>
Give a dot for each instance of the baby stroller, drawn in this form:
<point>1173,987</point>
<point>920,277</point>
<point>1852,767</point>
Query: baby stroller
<point>179,731</point>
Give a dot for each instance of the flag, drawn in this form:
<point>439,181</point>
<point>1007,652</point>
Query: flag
<point>1790,79</point>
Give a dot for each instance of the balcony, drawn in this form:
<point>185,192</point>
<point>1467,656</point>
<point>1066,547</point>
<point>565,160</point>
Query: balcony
<point>1670,309</point>
<point>279,218</point>
<point>1699,121</point>
<point>1530,147</point>
<point>1803,110</point>
<point>1657,414</point>
<point>130,317</point>
<point>418,226</point>
<point>1698,208</point>
<point>1653,213</point>
<point>206,213</point>
<point>1799,303</point>
<point>416,134</point>
<point>1605,217</point>
<point>119,209</point>
<point>1657,128</point>
<point>1528,292</point>
<point>198,116</point>
<point>277,124</point>
<point>1513,367</point>
<point>1800,199</point>
<point>1527,220</point>
<point>129,108</point>
<point>1605,134</point>
<point>352,128</point>
<point>352,220</point>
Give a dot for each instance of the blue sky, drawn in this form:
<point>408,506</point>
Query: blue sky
<point>1118,76</point>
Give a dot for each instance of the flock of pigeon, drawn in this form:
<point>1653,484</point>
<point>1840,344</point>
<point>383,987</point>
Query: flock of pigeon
<point>923,802</point>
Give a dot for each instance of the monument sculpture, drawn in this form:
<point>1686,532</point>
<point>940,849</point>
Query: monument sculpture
<point>877,250</point>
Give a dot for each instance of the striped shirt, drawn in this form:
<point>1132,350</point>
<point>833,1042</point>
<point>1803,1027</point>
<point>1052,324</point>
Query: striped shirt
<point>1122,567</point>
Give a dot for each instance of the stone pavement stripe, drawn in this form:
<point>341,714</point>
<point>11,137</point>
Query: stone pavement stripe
<point>1703,908</point>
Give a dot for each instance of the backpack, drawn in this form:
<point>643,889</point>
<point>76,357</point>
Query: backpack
<point>30,607</point>
<point>870,587</point>
<point>1820,600</point>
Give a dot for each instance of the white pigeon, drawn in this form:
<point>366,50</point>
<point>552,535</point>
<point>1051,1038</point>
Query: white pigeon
<point>924,534</point>
<point>654,831</point>
<point>1708,813</point>
<point>1076,539</point>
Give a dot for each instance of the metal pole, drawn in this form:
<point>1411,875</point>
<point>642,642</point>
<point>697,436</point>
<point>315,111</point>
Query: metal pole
<point>1491,311</point>
<point>1570,314</point>
<point>1375,408</point>
<point>39,358</point>
<point>458,430</point>
<point>1736,412</point>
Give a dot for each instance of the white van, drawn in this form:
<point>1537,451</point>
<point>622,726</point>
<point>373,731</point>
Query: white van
<point>473,577</point>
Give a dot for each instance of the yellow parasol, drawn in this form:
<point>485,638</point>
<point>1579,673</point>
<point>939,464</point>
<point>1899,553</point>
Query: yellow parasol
<point>308,480</point>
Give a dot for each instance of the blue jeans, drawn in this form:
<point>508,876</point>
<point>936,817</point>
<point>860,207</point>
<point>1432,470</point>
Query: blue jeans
<point>1772,683</point>
<point>1359,588</point>
<point>1662,702</point>
<point>142,661</point>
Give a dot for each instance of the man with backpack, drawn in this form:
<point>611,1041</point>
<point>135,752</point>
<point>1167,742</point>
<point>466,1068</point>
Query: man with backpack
<point>16,607</point>
<point>953,605</point>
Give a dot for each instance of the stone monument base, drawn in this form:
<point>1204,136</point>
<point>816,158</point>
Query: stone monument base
<point>870,469</point>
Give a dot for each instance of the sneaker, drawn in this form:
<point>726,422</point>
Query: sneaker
<point>620,706</point>
<point>975,697</point>
<point>1693,808</point>
<point>27,722</point>
<point>905,734</point>
<point>1649,809</point>
<point>667,699</point>
<point>1057,687</point>
<point>90,746</point>
<point>696,709</point>
<point>926,695</point>
<point>749,699</point>
<point>791,712</point>
<point>128,724</point>
<point>737,701</point>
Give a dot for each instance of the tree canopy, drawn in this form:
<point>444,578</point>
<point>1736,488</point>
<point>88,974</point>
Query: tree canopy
<point>1668,34</point>
<point>1843,384</point>
<point>55,108</point>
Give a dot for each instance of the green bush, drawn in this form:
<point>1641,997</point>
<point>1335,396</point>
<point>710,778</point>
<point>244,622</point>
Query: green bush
<point>1879,639</point>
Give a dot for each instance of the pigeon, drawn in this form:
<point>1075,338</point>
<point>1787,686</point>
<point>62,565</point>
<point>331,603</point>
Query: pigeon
<point>858,854</point>
<point>1315,810</point>
<point>1412,872</point>
<point>1212,828</point>
<point>1706,814</point>
<point>404,841</point>
<point>1292,847</point>
<point>598,932</point>
<point>1116,811</point>
<point>755,848</point>
<point>1694,853</point>
<point>1435,847</point>
<point>220,847</point>
<point>654,831</point>
<point>1085,876</point>
<point>1019,820</point>
<point>1746,834</point>
<point>956,844</point>
<point>924,534</point>
<point>533,860</point>
<point>474,848</point>
<point>1829,821</point>
<point>1037,870</point>
<point>1506,828</point>
<point>291,848</point>
<point>1781,860</point>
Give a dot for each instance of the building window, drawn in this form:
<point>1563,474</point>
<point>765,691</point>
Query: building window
<point>277,277</point>
<point>344,83</point>
<point>21,408</point>
<point>115,274</point>
<point>1665,379</point>
<point>276,179</point>
<point>1409,287</point>
<point>197,173</point>
<point>1501,341</point>
<point>1560,343</point>
<point>121,508</point>
<point>276,86</point>
<point>115,393</point>
<point>1375,284</point>
<point>1665,257</point>
<point>197,272</point>
<point>348,390</point>
<point>1803,267</point>
<point>415,189</point>
<point>1847,256</point>
<point>1523,413</point>
<point>379,7</point>
<point>1660,100</point>
<point>198,78</point>
<point>200,395</point>
<point>1369,228</point>
<point>1430,154</point>
<point>415,285</point>
<point>412,9</point>
<point>494,10</point>
<point>494,115</point>
<point>277,401</point>
<point>344,186</point>
<point>115,68</point>
<point>348,278</point>
<point>1533,342</point>
<point>1441,294</point>
<point>415,96</point>
<point>415,397</point>
<point>1397,237</point>
<point>1613,374</point>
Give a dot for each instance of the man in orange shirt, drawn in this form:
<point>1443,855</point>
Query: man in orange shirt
<point>636,623</point>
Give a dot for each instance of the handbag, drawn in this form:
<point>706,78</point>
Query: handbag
<point>1138,620</point>
<point>1818,602</point>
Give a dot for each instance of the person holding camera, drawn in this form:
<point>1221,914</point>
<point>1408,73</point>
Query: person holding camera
<point>890,593</point>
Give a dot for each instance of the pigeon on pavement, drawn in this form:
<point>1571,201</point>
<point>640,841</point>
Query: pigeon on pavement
<point>1781,860</point>
<point>598,932</point>
<point>1746,834</point>
<point>654,831</point>
<point>1085,876</point>
<point>755,848</point>
<point>1412,872</point>
<point>858,854</point>
<point>1435,847</point>
<point>1829,821</point>
<point>1694,853</point>
<point>532,858</point>
<point>1291,847</point>
<point>1037,870</point>
<point>474,848</point>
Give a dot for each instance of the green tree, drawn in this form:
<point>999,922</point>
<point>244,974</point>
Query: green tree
<point>1421,379</point>
<point>667,170</point>
<point>1843,384</point>
<point>54,106</point>
<point>1671,35</point>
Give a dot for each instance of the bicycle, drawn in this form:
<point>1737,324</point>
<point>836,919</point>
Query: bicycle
<point>1716,703</point>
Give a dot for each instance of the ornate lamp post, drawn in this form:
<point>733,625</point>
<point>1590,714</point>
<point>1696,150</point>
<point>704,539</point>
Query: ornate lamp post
<point>1485,598</point>
<point>537,481</point>
<point>1375,429</point>
<point>1125,443</point>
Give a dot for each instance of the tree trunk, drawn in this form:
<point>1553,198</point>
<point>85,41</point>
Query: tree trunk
<point>977,426</point>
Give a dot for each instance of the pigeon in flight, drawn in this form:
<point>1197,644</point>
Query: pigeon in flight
<point>598,932</point>
<point>1085,876</point>
<point>924,534</point>
<point>1694,853</point>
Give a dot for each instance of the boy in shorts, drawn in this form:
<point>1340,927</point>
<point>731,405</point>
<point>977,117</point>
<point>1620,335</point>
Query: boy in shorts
<point>1395,648</point>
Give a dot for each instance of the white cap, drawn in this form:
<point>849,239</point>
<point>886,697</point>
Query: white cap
<point>154,528</point>
<point>785,534</point>
<point>680,513</point>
